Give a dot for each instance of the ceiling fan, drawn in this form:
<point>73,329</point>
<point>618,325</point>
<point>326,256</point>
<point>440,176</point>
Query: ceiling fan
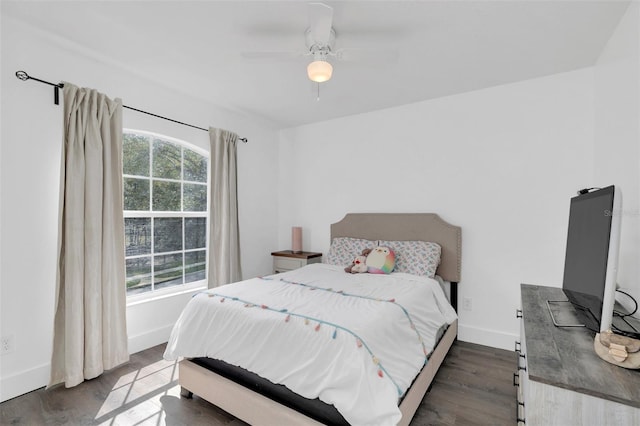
<point>320,40</point>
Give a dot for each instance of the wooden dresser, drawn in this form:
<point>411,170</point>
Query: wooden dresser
<point>561,381</point>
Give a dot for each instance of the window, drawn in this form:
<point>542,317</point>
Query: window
<point>165,212</point>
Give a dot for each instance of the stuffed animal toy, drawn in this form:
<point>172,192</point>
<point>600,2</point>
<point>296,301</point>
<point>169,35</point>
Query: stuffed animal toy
<point>381,261</point>
<point>359,263</point>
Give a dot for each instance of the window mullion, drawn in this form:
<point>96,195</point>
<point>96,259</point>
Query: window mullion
<point>153,253</point>
<point>150,174</point>
<point>184,227</point>
<point>153,219</point>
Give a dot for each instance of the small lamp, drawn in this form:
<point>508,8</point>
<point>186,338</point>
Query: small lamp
<point>296,239</point>
<point>319,71</point>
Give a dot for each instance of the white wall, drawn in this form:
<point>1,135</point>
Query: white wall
<point>31,146</point>
<point>501,163</point>
<point>617,136</point>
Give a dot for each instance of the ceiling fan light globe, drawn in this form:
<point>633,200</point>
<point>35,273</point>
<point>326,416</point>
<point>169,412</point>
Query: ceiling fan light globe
<point>319,71</point>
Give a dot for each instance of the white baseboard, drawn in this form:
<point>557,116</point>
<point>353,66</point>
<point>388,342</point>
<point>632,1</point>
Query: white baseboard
<point>482,336</point>
<point>29,380</point>
<point>24,382</point>
<point>149,339</point>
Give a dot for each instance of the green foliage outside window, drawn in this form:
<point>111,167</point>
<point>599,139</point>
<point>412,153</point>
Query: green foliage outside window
<point>165,201</point>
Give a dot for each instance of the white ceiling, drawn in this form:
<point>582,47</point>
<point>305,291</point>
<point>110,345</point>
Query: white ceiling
<point>442,47</point>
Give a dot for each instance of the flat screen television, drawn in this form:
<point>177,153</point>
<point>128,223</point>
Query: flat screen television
<point>591,260</point>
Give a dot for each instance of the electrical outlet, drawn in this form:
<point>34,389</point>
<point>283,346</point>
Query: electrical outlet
<point>466,304</point>
<point>7,344</point>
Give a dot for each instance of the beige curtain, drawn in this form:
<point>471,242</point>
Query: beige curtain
<point>224,240</point>
<point>90,327</point>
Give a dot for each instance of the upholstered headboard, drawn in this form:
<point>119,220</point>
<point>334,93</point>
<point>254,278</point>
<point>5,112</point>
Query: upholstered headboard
<point>408,227</point>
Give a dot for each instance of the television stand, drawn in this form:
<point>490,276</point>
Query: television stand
<point>563,312</point>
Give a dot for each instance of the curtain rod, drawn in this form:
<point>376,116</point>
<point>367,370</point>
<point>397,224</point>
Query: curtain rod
<point>22,75</point>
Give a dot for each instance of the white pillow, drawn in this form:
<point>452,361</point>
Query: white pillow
<point>344,249</point>
<point>415,257</point>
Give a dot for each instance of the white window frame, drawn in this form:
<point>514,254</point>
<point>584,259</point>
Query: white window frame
<point>154,294</point>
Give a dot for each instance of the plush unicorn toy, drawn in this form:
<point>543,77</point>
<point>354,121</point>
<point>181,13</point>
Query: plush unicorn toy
<point>381,261</point>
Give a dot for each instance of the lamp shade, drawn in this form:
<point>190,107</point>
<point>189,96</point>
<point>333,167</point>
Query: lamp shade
<point>319,71</point>
<point>296,239</point>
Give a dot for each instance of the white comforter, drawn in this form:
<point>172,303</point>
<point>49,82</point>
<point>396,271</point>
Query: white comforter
<point>356,341</point>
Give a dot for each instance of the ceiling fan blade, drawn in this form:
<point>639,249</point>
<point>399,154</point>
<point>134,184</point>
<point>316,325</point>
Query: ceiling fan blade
<point>320,21</point>
<point>280,56</point>
<point>366,55</point>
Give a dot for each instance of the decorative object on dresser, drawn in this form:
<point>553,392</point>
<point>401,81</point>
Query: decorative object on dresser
<point>560,378</point>
<point>618,350</point>
<point>288,260</point>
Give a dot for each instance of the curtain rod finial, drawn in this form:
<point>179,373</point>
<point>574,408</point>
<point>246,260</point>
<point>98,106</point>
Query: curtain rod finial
<point>22,75</point>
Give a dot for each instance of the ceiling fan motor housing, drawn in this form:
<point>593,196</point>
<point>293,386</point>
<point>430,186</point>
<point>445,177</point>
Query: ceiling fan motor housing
<point>318,47</point>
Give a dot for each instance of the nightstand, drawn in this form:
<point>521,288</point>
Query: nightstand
<point>286,260</point>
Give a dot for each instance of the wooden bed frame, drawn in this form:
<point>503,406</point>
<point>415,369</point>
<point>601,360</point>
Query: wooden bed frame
<point>257,409</point>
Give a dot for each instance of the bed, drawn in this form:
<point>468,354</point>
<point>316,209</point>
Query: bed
<point>242,393</point>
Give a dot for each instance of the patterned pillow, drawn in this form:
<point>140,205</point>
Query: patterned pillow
<point>415,257</point>
<point>344,249</point>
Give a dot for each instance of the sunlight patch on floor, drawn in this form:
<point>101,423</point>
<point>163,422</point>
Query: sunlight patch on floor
<point>136,397</point>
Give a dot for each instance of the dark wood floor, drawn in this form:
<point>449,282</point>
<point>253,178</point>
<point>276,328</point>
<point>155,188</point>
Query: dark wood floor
<point>473,387</point>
